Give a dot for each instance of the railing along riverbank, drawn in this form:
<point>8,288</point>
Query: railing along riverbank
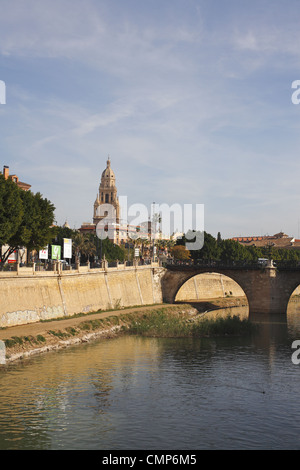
<point>59,268</point>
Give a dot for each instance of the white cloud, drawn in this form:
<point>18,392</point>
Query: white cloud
<point>184,101</point>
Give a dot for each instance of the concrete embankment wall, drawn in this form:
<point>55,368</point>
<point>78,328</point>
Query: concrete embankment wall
<point>28,299</point>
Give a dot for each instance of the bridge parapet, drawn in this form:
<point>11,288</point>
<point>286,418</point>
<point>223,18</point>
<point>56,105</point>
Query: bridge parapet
<point>279,265</point>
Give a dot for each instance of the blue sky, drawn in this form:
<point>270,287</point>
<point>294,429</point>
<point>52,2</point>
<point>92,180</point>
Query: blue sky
<point>190,98</point>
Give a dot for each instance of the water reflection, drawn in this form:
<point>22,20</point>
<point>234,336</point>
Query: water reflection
<point>276,327</point>
<point>152,393</point>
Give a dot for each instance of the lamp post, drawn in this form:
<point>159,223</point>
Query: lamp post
<point>153,232</point>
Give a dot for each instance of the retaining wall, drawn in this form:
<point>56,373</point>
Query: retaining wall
<point>27,299</point>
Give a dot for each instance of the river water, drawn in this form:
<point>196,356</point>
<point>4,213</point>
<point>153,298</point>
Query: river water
<point>133,393</point>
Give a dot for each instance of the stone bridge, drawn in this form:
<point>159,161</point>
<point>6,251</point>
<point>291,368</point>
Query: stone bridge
<point>268,289</point>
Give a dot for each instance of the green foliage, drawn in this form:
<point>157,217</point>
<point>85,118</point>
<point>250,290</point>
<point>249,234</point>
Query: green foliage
<point>59,334</point>
<point>223,326</point>
<point>210,250</point>
<point>111,251</point>
<point>21,340</point>
<point>41,338</point>
<point>180,252</point>
<point>11,209</point>
<point>34,231</point>
<point>25,218</point>
<point>160,323</point>
<point>82,245</point>
<point>59,233</point>
<point>231,250</point>
<point>86,246</point>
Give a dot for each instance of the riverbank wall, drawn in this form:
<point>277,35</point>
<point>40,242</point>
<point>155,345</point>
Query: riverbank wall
<point>44,296</point>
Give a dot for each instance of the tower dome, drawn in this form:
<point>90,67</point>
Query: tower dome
<point>108,174</point>
<point>107,193</point>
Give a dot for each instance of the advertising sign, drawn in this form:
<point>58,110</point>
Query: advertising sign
<point>67,248</point>
<point>56,252</point>
<point>12,258</point>
<point>43,254</point>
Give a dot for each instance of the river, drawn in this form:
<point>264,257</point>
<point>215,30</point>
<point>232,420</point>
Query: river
<point>132,393</point>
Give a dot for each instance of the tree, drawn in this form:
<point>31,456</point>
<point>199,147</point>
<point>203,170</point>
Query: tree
<point>180,253</point>
<point>95,246</point>
<point>61,233</point>
<point>78,246</point>
<point>209,251</point>
<point>113,252</point>
<point>89,248</point>
<point>11,209</point>
<point>35,231</point>
<point>254,252</point>
<point>32,222</point>
<point>233,251</point>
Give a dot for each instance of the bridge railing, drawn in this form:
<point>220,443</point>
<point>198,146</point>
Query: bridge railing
<point>237,264</point>
<point>210,264</point>
<point>292,264</point>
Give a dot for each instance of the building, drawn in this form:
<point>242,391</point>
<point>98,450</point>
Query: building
<point>107,195</point>
<point>15,179</point>
<point>106,202</point>
<point>107,206</point>
<point>279,240</point>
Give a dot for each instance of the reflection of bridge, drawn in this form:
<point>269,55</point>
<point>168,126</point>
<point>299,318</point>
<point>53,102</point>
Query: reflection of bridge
<point>267,288</point>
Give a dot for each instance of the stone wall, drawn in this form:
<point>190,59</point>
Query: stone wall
<point>28,299</point>
<point>209,286</point>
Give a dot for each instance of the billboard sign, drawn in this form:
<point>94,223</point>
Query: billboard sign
<point>56,252</point>
<point>67,248</point>
<point>13,257</point>
<point>43,254</point>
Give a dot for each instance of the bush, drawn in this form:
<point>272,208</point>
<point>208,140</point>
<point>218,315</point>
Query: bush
<point>162,324</point>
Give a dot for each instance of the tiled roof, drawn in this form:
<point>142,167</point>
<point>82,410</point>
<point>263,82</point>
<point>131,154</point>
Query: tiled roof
<point>279,240</point>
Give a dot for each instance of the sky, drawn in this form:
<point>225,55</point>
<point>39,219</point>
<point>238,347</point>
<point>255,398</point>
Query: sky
<point>191,99</point>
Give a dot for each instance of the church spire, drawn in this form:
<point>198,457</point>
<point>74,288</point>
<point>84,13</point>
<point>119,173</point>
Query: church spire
<point>107,192</point>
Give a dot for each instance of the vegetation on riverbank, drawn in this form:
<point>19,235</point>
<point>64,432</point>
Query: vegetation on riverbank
<point>162,323</point>
<point>178,321</point>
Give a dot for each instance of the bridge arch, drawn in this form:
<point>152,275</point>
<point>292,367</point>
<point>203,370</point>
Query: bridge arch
<point>209,285</point>
<point>174,279</point>
<point>293,297</point>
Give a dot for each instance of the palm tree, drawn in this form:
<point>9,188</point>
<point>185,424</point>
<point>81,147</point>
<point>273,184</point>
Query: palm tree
<point>145,243</point>
<point>89,248</point>
<point>78,245</point>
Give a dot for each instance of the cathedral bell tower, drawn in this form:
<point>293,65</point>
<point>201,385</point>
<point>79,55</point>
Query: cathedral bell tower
<point>107,195</point>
